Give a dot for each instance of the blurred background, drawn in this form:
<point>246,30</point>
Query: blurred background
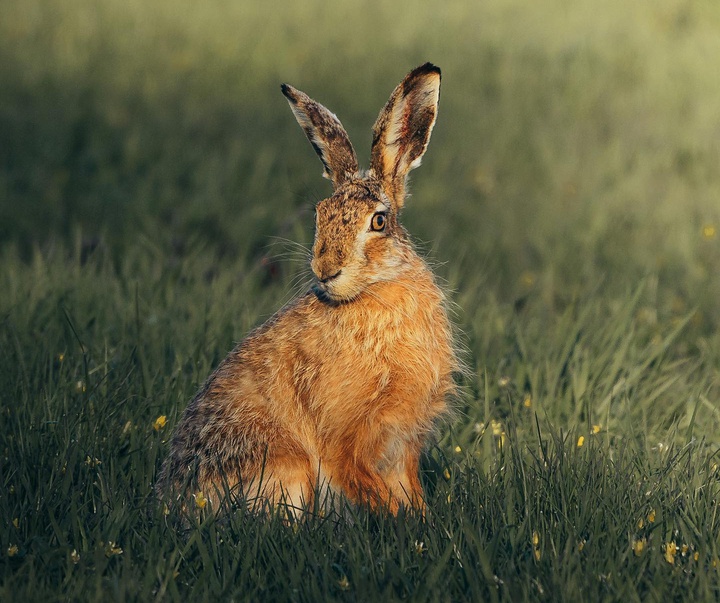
<point>577,144</point>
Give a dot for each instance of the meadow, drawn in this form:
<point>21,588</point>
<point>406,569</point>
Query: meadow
<point>152,185</point>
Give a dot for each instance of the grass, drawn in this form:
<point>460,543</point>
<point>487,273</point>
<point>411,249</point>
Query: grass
<point>150,177</point>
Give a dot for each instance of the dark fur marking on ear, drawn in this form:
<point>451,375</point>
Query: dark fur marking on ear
<point>289,95</point>
<point>319,151</point>
<point>326,135</point>
<point>425,69</point>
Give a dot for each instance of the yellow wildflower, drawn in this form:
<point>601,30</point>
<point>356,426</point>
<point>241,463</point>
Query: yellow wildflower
<point>344,583</point>
<point>696,556</point>
<point>497,427</point>
<point>709,231</point>
<point>159,422</point>
<point>581,545</point>
<point>536,546</point>
<point>596,428</point>
<point>641,523</point>
<point>684,549</point>
<point>651,516</point>
<point>420,547</point>
<point>670,552</point>
<point>12,550</point>
<point>638,546</point>
<point>581,441</point>
<point>504,381</point>
<point>446,473</point>
<point>527,279</point>
<point>527,402</point>
<point>458,449</point>
<point>111,549</point>
<point>92,462</point>
<point>678,305</point>
<point>200,500</point>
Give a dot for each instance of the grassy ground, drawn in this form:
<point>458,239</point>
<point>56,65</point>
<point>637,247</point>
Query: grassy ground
<point>150,175</point>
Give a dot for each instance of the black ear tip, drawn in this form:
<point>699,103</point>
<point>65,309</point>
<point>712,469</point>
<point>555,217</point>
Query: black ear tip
<point>289,92</point>
<point>427,68</point>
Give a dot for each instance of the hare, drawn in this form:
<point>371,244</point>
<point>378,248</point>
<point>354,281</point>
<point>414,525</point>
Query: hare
<point>339,391</point>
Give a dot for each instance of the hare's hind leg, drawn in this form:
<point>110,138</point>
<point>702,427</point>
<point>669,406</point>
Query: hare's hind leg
<point>362,483</point>
<point>292,489</point>
<point>389,482</point>
<point>404,481</point>
<point>287,479</point>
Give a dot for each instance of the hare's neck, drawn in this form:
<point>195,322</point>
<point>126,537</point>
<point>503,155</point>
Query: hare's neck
<point>413,291</point>
<point>418,277</point>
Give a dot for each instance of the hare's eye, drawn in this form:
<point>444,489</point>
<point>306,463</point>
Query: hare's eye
<point>378,221</point>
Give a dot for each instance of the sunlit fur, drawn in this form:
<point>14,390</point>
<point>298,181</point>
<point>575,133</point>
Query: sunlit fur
<point>339,391</point>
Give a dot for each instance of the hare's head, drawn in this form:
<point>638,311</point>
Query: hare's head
<point>358,240</point>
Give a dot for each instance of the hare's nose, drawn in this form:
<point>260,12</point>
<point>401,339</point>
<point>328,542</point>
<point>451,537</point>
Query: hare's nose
<point>325,279</point>
<point>326,268</point>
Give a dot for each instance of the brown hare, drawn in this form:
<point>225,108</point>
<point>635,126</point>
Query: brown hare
<point>339,391</point>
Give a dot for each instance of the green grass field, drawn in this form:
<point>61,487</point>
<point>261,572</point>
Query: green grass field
<point>151,180</point>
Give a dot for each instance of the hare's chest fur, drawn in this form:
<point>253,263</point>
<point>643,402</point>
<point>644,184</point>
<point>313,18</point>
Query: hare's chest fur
<point>384,359</point>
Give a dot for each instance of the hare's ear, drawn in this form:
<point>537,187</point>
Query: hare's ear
<point>402,130</point>
<point>326,134</point>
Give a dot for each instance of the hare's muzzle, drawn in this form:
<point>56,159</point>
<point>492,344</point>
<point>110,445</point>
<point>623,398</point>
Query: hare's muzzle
<point>327,262</point>
<point>325,279</point>
<point>325,272</point>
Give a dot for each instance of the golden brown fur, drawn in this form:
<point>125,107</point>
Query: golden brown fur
<point>338,391</point>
